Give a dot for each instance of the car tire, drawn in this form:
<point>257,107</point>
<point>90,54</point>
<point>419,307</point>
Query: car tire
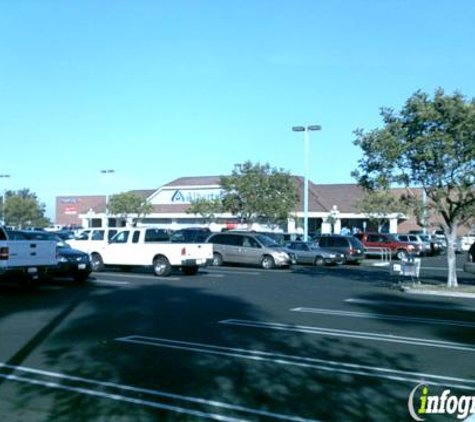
<point>267,262</point>
<point>161,267</point>
<point>190,270</point>
<point>319,261</point>
<point>217,259</point>
<point>97,263</point>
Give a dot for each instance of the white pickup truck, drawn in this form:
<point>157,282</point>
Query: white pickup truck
<point>144,247</point>
<point>24,259</point>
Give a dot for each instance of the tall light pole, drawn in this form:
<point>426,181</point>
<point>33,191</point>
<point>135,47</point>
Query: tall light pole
<point>106,175</point>
<point>306,130</point>
<point>3,176</point>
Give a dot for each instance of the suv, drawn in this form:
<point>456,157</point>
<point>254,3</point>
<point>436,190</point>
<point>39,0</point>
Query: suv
<point>375,242</point>
<point>249,248</point>
<point>349,246</point>
<point>420,242</point>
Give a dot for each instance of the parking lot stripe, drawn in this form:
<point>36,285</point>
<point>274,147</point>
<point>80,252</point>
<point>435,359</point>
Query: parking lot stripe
<point>118,283</point>
<point>407,304</point>
<point>304,361</point>
<point>119,397</point>
<point>351,334</point>
<point>231,271</point>
<point>144,276</point>
<point>385,317</point>
<point>127,388</point>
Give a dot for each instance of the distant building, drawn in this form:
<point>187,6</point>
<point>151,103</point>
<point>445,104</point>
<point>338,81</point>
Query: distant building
<point>171,201</point>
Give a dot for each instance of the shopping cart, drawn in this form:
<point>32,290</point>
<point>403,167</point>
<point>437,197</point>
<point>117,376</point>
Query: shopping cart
<point>407,267</point>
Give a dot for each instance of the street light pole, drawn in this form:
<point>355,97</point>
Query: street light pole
<point>3,176</point>
<point>306,148</point>
<point>106,173</point>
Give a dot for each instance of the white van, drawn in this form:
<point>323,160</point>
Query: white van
<point>92,239</point>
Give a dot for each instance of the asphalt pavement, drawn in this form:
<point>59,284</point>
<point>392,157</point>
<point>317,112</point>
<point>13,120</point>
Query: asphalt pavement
<point>232,344</point>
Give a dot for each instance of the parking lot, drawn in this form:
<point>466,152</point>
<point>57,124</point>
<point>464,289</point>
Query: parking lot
<point>231,344</point>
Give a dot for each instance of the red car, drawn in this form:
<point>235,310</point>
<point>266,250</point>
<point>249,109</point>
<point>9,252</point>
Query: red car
<point>374,242</point>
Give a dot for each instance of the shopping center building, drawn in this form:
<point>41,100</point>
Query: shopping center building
<point>331,207</point>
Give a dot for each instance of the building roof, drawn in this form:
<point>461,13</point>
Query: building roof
<point>144,193</point>
<point>195,181</point>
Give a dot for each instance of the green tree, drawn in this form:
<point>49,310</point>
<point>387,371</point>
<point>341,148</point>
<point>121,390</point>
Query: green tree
<point>127,204</point>
<point>23,209</point>
<point>430,143</point>
<point>253,192</point>
<point>378,205</point>
<point>207,208</point>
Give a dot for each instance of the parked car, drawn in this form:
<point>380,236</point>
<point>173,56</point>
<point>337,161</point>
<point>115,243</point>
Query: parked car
<point>190,235</point>
<point>311,253</point>
<point>421,244</point>
<point>375,242</point>
<point>71,262</point>
<point>92,239</point>
<point>249,248</point>
<point>349,246</point>
<point>469,265</point>
<point>437,246</point>
<point>465,242</point>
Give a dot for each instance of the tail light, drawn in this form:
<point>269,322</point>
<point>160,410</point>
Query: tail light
<point>183,251</point>
<point>4,253</point>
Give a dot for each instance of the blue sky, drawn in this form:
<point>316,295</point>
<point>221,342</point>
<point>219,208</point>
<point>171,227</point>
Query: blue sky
<point>157,90</point>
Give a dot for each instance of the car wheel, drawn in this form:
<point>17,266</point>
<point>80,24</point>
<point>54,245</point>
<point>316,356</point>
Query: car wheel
<point>319,261</point>
<point>190,270</point>
<point>217,259</point>
<point>267,262</point>
<point>97,263</point>
<point>401,254</point>
<point>161,267</point>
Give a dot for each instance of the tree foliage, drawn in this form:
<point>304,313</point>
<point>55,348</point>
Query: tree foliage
<point>23,209</point>
<point>253,192</point>
<point>379,204</point>
<point>126,204</point>
<point>430,143</point>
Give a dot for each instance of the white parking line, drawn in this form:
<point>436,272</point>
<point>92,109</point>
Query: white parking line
<point>143,276</point>
<point>351,334</point>
<point>385,317</point>
<point>117,283</point>
<point>231,271</point>
<point>400,304</point>
<point>306,362</point>
<point>130,389</point>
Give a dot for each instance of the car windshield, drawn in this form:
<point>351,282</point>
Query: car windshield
<point>267,241</point>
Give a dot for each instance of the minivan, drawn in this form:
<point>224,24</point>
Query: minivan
<point>349,246</point>
<point>249,248</point>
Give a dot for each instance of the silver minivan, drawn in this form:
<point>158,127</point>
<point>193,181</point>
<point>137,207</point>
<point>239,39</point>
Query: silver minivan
<point>249,248</point>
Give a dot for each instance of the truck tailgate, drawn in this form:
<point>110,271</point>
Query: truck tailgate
<point>27,253</point>
<point>201,251</point>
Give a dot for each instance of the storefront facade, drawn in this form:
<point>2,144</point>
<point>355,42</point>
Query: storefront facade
<point>331,207</point>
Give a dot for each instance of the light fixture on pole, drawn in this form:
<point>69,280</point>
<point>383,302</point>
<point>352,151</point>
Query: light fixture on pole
<point>106,173</point>
<point>3,176</point>
<point>306,130</point>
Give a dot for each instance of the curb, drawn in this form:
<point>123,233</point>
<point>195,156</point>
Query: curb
<point>438,293</point>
